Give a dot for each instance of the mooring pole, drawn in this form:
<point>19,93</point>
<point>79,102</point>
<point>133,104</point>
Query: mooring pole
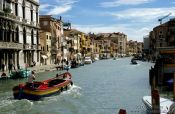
<point>122,111</point>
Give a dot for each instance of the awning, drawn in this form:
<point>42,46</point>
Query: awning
<point>44,56</point>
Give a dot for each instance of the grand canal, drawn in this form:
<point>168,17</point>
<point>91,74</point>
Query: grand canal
<point>103,87</point>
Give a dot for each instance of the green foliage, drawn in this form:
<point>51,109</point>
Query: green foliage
<point>7,10</point>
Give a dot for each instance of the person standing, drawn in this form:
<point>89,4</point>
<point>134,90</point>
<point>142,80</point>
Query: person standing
<point>10,67</point>
<point>31,78</point>
<point>3,67</point>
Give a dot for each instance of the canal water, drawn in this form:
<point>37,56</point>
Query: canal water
<point>103,87</point>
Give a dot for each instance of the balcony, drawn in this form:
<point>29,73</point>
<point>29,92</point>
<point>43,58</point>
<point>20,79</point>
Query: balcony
<point>34,47</point>
<point>11,45</point>
<point>24,20</point>
<point>32,23</point>
<point>27,47</point>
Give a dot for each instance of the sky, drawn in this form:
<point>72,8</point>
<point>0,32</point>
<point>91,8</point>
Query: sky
<point>135,18</point>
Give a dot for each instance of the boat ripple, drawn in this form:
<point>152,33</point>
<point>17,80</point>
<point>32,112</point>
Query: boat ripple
<point>74,92</point>
<point>9,106</point>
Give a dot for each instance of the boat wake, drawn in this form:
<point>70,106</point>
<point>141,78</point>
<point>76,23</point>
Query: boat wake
<point>72,92</point>
<point>11,106</point>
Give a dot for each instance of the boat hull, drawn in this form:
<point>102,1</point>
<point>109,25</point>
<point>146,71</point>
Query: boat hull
<point>42,89</point>
<point>164,104</point>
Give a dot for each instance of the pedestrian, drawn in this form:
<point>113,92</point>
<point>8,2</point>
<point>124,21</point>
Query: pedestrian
<point>10,67</point>
<point>18,66</point>
<point>3,67</point>
<point>31,78</point>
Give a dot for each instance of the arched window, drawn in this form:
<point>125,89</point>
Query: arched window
<point>32,37</point>
<point>23,9</point>
<point>37,37</point>
<point>24,36</point>
<point>31,12</point>
<point>17,34</point>
<point>16,9</point>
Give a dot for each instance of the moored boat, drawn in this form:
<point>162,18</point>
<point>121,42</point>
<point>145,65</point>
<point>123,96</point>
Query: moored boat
<point>22,73</point>
<point>44,88</point>
<point>133,61</point>
<point>164,104</point>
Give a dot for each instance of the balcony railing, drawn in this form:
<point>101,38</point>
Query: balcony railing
<point>27,47</point>
<point>34,47</point>
<point>11,45</point>
<point>24,20</point>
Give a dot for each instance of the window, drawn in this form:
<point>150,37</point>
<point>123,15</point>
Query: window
<point>17,35</point>
<point>23,12</point>
<point>3,4</point>
<point>38,56</point>
<point>16,9</point>
<point>47,36</point>
<point>31,13</point>
<point>32,37</point>
<point>47,48</point>
<point>24,36</point>
<point>23,9</point>
<point>37,38</point>
<point>36,17</point>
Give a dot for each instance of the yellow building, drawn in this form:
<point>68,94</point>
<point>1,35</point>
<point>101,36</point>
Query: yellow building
<point>45,40</point>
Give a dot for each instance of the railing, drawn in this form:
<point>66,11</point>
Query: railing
<point>24,20</point>
<point>32,23</point>
<point>11,45</point>
<point>34,47</point>
<point>26,46</point>
<point>10,15</point>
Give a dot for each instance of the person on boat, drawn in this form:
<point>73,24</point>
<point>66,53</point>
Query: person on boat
<point>59,76</point>
<point>31,78</point>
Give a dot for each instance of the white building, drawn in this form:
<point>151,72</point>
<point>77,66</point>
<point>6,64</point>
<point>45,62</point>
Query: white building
<point>19,24</point>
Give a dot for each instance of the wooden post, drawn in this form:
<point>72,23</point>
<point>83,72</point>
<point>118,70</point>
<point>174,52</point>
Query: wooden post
<point>155,98</point>
<point>155,102</point>
<point>174,87</point>
<point>122,111</point>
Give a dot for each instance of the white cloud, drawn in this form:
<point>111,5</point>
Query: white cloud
<point>132,33</point>
<point>117,3</point>
<point>57,7</point>
<point>144,14</point>
<point>59,10</point>
<point>44,6</point>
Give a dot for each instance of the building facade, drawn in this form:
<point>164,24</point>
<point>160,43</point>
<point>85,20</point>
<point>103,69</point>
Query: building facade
<point>55,27</point>
<point>19,36</point>
<point>45,41</point>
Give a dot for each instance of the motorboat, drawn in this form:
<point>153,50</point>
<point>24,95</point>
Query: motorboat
<point>44,88</point>
<point>164,104</point>
<point>87,60</point>
<point>133,61</point>
<point>21,73</point>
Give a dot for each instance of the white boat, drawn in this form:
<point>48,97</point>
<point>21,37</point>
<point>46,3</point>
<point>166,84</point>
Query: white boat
<point>164,104</point>
<point>87,60</point>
